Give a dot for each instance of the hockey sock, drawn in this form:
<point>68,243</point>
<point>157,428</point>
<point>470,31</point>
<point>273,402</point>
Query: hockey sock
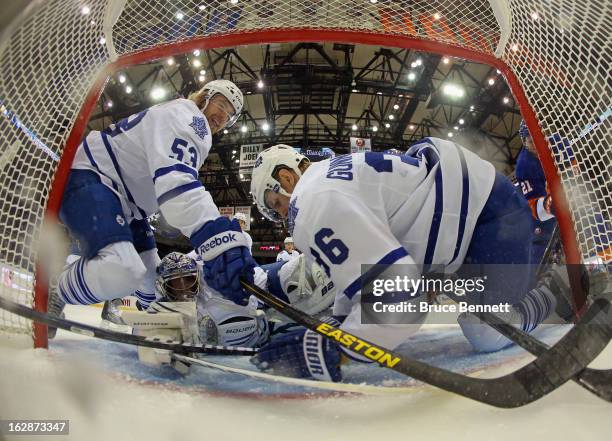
<point>146,291</point>
<point>115,272</point>
<point>537,305</point>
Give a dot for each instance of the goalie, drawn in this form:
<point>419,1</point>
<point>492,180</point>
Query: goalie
<point>190,311</point>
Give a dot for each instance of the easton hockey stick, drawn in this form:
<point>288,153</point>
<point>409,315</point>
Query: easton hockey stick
<point>343,388</point>
<point>596,381</point>
<point>119,337</point>
<point>553,368</point>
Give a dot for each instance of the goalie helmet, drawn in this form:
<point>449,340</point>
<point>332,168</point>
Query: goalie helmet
<point>267,164</point>
<point>178,278</point>
<point>230,91</point>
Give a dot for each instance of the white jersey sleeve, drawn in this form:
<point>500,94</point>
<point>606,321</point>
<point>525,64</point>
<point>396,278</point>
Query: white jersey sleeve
<point>179,146</point>
<point>151,161</point>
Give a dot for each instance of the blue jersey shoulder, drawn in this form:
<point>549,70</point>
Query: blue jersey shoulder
<point>530,175</point>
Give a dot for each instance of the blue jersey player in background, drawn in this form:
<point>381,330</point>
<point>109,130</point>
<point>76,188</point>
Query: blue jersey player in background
<point>530,176</point>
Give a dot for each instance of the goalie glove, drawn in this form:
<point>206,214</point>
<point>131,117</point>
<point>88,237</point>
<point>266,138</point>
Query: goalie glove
<point>302,354</point>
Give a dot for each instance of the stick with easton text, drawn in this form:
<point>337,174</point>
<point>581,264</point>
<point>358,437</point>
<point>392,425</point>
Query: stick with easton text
<point>549,371</point>
<point>119,337</point>
<point>596,381</point>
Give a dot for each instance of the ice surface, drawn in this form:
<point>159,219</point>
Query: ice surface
<point>107,395</point>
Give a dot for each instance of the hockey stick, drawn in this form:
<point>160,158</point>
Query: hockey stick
<point>564,360</point>
<point>552,244</point>
<point>596,381</point>
<point>366,389</point>
<point>119,337</point>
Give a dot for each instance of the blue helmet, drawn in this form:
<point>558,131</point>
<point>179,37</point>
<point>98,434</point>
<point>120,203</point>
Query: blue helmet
<point>523,130</point>
<point>178,278</point>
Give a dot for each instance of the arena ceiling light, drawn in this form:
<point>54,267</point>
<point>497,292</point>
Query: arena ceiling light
<point>374,128</point>
<point>196,52</point>
<point>445,60</point>
<point>85,10</point>
<point>391,117</point>
<point>158,93</point>
<point>201,78</point>
<point>411,76</point>
<point>411,127</point>
<point>396,106</point>
<point>260,84</point>
<point>243,129</point>
<point>179,15</point>
<point>461,120</point>
<point>450,134</point>
<point>453,90</point>
<point>387,125</point>
<point>170,61</point>
<point>128,89</point>
<point>122,79</point>
<point>225,132</point>
<point>265,126</point>
<point>196,62</point>
<point>354,127</point>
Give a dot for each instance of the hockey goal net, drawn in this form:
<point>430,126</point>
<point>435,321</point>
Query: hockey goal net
<point>56,55</point>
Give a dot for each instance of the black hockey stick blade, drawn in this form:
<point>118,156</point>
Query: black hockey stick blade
<point>596,381</point>
<point>119,337</point>
<point>553,368</point>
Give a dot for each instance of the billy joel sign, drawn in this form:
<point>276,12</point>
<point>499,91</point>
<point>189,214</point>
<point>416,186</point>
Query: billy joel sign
<point>248,155</point>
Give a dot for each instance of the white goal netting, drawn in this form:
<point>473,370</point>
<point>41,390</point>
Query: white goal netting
<point>555,54</point>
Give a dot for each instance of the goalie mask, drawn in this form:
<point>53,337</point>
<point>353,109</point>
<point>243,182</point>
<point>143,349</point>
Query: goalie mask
<point>178,278</point>
<point>267,164</point>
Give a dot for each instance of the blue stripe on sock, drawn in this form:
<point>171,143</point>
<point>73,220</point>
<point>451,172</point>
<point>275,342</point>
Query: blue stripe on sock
<point>83,285</point>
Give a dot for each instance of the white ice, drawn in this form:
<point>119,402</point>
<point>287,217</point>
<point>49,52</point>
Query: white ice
<point>41,384</point>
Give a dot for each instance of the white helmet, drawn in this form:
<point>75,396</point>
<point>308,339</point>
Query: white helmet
<point>241,217</point>
<point>288,240</point>
<point>266,164</point>
<point>230,91</point>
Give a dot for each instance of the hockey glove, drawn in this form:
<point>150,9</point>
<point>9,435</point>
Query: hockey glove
<point>223,249</point>
<point>303,354</point>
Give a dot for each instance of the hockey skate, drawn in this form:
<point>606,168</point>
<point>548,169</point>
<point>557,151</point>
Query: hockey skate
<point>55,307</point>
<point>556,280</point>
<point>111,312</point>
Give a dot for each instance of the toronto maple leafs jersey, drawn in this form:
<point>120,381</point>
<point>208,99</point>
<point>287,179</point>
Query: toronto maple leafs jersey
<point>419,208</point>
<point>150,160</point>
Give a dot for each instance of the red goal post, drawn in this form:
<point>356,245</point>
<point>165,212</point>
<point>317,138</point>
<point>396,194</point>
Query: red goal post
<point>57,56</point>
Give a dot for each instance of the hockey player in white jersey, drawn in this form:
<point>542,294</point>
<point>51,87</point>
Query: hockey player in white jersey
<point>289,252</point>
<point>146,163</point>
<point>242,220</point>
<point>438,205</point>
